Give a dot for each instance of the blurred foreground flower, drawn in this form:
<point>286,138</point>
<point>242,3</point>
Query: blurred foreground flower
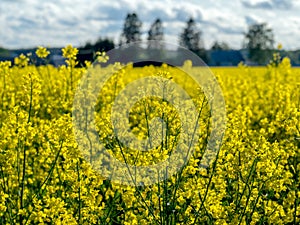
<point>42,52</point>
<point>69,52</point>
<point>22,60</point>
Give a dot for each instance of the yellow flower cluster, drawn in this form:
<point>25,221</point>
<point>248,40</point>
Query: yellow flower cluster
<point>45,179</point>
<point>69,52</point>
<point>42,52</point>
<point>21,61</point>
<point>101,57</point>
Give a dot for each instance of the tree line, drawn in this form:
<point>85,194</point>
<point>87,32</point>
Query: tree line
<point>258,40</point>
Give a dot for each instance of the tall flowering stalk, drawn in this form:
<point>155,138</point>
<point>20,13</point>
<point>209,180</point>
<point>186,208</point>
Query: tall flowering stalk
<point>70,53</point>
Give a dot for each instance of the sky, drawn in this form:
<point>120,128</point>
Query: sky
<point>56,23</point>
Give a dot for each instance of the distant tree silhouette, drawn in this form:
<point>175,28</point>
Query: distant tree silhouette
<point>156,33</point>
<point>191,39</point>
<point>102,44</point>
<point>259,40</point>
<point>155,38</point>
<point>88,45</point>
<point>87,52</point>
<point>132,29</point>
<point>220,46</point>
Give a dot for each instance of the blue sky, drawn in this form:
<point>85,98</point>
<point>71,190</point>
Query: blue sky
<point>55,23</point>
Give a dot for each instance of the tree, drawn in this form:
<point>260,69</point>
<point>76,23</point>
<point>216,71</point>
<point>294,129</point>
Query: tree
<point>102,44</point>
<point>259,40</point>
<point>156,34</point>
<point>155,38</point>
<point>87,52</point>
<point>131,30</point>
<point>190,38</point>
<point>220,46</point>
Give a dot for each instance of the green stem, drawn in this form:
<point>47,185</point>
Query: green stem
<point>79,194</point>
<point>40,189</point>
<point>134,181</point>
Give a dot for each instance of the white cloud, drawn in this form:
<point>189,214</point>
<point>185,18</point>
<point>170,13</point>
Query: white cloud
<point>28,23</point>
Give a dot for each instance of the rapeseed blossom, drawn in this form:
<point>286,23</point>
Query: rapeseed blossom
<point>46,179</point>
<point>69,52</point>
<point>42,52</point>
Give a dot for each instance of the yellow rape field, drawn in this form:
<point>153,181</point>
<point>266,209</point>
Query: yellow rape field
<point>45,178</point>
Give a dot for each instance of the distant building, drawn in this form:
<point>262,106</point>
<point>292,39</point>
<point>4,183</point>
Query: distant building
<point>225,57</point>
